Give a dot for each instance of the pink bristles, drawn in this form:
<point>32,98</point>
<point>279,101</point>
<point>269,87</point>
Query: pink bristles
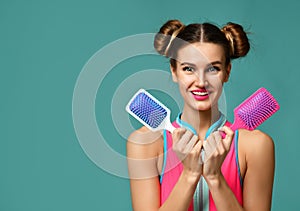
<point>254,110</point>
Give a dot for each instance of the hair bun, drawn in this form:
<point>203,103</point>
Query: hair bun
<point>237,38</point>
<point>165,36</point>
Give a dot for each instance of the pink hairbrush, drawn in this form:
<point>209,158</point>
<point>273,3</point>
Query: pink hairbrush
<point>254,110</point>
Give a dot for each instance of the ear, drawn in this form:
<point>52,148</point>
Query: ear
<point>227,72</point>
<point>173,72</point>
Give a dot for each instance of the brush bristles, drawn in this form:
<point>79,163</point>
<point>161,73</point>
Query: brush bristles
<point>148,110</point>
<point>257,108</point>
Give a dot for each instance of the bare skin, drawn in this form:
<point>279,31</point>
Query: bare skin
<point>255,148</point>
<point>256,160</point>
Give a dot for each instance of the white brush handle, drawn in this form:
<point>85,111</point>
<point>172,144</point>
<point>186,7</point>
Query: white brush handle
<point>169,127</point>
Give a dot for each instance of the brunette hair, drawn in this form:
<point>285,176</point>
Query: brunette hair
<point>231,37</point>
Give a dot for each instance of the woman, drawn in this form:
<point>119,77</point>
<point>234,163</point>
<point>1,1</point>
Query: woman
<point>194,168</point>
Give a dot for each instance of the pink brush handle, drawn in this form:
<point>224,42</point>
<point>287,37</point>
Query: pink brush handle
<point>254,111</point>
<point>223,134</point>
<point>232,127</point>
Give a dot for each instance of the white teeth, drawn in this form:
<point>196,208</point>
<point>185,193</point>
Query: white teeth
<point>200,93</point>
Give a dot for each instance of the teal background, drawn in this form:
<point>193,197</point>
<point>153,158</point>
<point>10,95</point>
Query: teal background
<point>45,44</point>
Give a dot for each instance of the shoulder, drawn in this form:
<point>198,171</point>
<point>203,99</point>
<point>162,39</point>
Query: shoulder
<point>255,145</point>
<point>255,149</point>
<point>144,148</point>
<point>143,143</point>
<point>255,140</point>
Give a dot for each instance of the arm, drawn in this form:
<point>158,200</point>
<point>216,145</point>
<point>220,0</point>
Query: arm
<point>259,176</point>
<point>256,152</point>
<point>143,171</point>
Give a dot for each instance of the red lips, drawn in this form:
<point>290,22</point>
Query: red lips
<point>200,94</point>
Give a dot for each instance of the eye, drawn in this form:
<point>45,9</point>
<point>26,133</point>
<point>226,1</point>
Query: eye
<point>213,69</point>
<point>188,69</point>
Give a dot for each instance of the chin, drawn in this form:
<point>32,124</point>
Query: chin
<point>201,106</point>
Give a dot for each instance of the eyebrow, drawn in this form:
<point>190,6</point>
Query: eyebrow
<point>216,62</point>
<point>187,63</point>
<point>191,64</point>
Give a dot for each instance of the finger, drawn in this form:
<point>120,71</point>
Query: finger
<point>213,140</point>
<point>186,137</point>
<point>221,148</point>
<point>206,151</point>
<point>197,148</point>
<point>180,145</point>
<point>229,136</point>
<point>201,155</point>
<point>177,134</point>
<point>200,161</point>
<point>217,137</point>
<point>190,145</point>
<point>209,146</point>
<point>220,143</point>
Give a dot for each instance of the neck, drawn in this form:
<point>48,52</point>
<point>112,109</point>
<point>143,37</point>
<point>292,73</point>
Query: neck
<point>200,120</point>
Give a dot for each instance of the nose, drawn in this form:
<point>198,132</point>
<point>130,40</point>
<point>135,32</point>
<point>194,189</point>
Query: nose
<point>200,78</point>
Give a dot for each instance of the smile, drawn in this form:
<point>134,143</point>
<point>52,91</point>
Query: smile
<point>200,93</point>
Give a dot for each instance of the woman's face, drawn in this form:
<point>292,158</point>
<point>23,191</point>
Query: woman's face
<point>200,73</point>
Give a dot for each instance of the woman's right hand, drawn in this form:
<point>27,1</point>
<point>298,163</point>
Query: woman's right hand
<point>187,147</point>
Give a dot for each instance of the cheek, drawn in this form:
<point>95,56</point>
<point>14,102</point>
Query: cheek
<point>185,82</point>
<point>216,80</point>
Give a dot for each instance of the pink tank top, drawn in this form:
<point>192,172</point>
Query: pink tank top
<point>173,167</point>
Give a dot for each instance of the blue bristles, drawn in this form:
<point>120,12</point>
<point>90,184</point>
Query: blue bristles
<point>148,110</point>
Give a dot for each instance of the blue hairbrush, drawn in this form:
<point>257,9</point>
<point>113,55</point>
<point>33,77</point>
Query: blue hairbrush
<point>149,111</point>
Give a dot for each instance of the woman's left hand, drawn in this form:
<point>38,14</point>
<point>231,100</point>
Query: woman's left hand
<point>215,151</point>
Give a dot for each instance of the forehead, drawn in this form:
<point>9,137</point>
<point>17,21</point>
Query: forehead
<point>201,53</point>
